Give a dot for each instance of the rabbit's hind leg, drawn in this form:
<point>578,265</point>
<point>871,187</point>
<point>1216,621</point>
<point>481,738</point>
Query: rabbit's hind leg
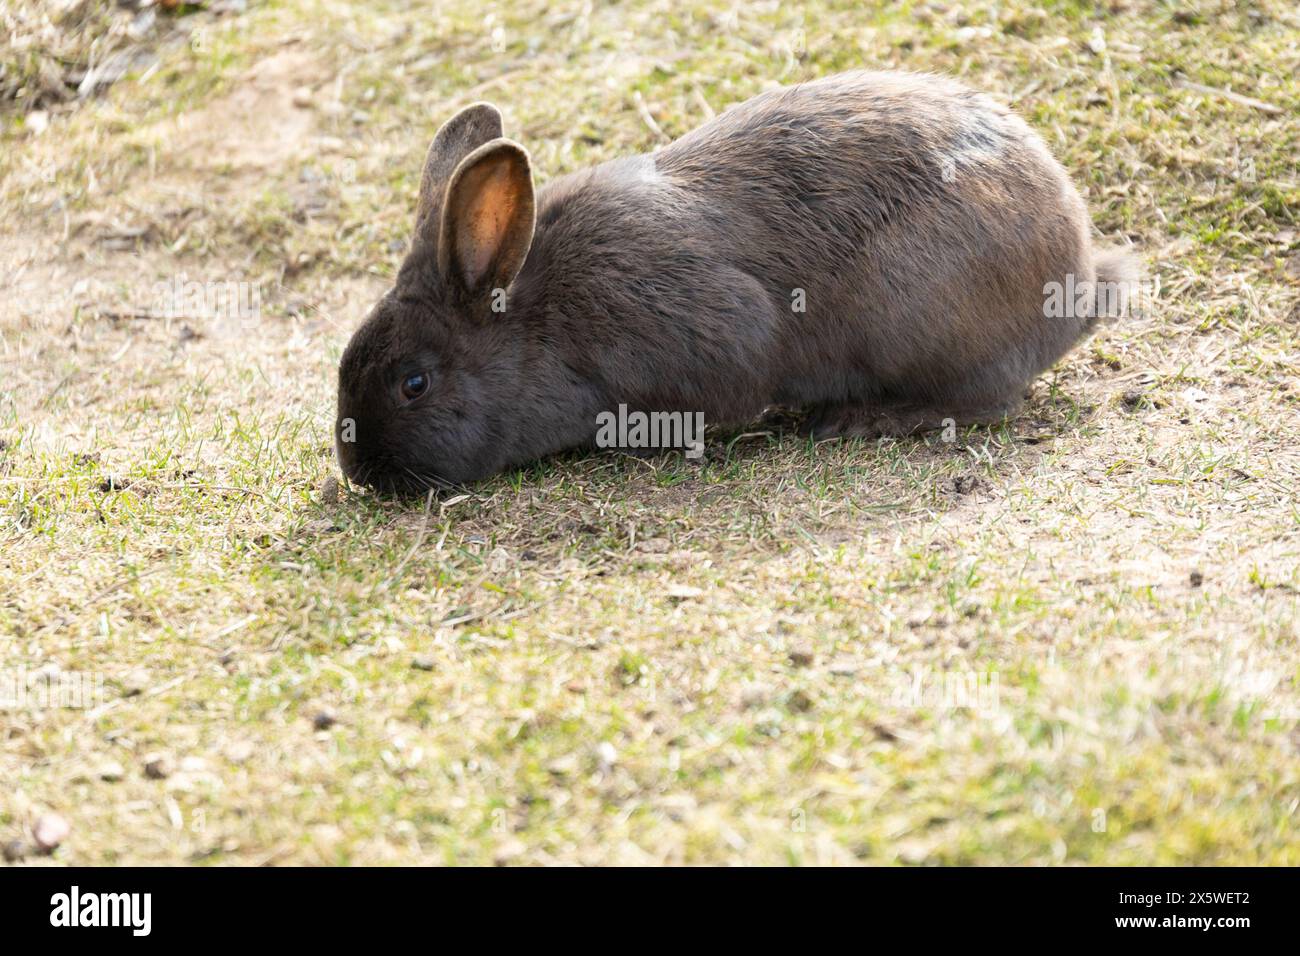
<point>898,420</point>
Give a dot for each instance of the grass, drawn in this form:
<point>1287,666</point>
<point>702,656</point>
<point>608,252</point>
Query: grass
<point>1071,638</point>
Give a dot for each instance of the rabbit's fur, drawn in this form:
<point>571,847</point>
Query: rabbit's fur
<point>916,221</point>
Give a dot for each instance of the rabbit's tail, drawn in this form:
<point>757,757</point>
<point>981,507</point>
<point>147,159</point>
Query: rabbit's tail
<point>1117,288</point>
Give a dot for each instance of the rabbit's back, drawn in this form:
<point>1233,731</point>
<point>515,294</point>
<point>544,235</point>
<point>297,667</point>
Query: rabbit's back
<point>867,235</point>
<point>914,221</point>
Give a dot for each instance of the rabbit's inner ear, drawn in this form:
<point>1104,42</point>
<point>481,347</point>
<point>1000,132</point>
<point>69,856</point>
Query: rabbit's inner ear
<point>487,218</point>
<point>462,134</point>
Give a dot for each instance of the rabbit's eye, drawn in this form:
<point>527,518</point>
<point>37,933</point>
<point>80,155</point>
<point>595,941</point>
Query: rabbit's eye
<point>413,386</point>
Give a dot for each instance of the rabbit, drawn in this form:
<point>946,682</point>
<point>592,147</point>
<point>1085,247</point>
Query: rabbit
<point>873,247</point>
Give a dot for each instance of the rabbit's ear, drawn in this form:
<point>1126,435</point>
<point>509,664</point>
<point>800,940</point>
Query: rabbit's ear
<point>487,218</point>
<point>465,132</point>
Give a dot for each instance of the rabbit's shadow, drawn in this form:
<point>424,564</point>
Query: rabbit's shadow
<point>760,486</point>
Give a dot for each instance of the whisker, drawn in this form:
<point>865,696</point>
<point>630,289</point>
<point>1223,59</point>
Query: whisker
<point>386,475</point>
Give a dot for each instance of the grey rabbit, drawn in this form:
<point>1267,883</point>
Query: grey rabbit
<point>872,246</point>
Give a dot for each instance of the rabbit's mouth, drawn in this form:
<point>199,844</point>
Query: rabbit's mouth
<point>390,478</point>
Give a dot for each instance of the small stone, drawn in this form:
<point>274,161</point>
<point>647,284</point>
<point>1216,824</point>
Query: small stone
<point>1132,398</point>
<point>423,662</point>
<point>302,97</point>
<point>329,491</point>
<point>14,851</point>
<point>799,701</point>
<point>802,656</point>
<point>157,767</point>
<point>240,751</point>
<point>507,852</point>
<point>606,755</point>
<point>884,731</point>
<point>49,831</point>
<point>565,766</point>
<point>135,683</point>
<point>111,772</point>
<point>754,695</point>
<point>324,719</point>
<point>1196,579</point>
<point>913,852</point>
<point>683,592</point>
<point>677,807</point>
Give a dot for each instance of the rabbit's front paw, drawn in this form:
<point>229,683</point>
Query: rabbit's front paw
<point>852,420</point>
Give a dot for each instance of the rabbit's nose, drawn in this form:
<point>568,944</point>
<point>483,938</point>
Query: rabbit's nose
<point>346,450</point>
<point>366,472</point>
